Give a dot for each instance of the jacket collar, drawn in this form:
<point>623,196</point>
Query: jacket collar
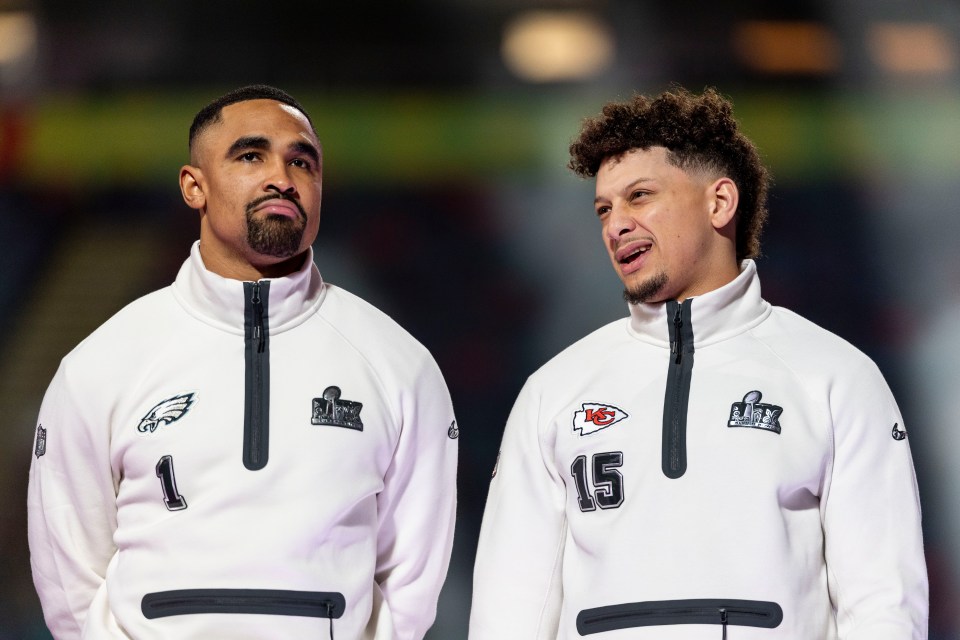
<point>717,315</point>
<point>219,301</point>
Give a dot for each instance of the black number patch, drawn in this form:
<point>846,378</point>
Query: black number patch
<point>607,481</point>
<point>171,497</point>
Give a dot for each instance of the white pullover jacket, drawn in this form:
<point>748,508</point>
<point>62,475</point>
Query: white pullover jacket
<point>714,469</point>
<point>240,460</point>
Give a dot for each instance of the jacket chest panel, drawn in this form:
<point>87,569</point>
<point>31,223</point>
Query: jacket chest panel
<point>183,439</point>
<point>750,434</point>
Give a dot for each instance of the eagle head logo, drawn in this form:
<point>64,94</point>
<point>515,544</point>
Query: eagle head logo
<point>165,412</point>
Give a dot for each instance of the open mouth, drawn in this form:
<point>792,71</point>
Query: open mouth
<point>632,255</point>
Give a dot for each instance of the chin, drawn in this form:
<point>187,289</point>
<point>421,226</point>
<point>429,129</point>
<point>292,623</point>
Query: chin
<point>650,290</point>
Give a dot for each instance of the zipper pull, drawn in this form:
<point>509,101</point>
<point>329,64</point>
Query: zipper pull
<point>257,316</point>
<point>330,607</point>
<point>723,621</point>
<point>676,346</point>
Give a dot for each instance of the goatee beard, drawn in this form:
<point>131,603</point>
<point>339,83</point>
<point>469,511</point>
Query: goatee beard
<point>646,290</point>
<point>275,236</point>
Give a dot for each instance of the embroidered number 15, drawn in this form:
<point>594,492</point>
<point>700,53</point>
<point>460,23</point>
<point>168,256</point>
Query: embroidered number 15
<point>607,481</point>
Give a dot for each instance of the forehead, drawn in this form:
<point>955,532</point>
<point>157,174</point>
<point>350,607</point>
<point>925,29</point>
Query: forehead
<point>640,165</point>
<point>265,118</point>
<point>634,160</point>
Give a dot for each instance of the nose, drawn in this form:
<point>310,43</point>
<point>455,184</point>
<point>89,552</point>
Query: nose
<point>278,179</point>
<point>619,222</point>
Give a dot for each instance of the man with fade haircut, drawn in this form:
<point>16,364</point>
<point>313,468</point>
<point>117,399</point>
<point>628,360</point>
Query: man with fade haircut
<point>710,466</point>
<point>250,452</point>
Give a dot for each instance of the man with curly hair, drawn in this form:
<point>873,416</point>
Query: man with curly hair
<point>710,466</point>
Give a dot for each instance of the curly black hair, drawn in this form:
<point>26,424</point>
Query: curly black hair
<point>700,134</point>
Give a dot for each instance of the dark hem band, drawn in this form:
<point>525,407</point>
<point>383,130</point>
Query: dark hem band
<point>276,602</point>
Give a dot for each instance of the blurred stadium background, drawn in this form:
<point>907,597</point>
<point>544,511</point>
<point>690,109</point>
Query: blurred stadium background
<point>447,203</point>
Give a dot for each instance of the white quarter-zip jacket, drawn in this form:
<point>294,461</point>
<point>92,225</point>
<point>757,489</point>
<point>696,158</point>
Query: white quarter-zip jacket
<point>243,460</point>
<point>714,469</point>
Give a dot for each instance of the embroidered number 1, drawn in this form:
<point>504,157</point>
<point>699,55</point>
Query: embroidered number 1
<point>607,481</point>
<point>171,497</point>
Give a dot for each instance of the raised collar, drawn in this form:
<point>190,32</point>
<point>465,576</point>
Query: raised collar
<point>720,314</point>
<point>219,301</point>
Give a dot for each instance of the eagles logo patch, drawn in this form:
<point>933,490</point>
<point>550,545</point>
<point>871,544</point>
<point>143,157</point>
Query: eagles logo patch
<point>594,416</point>
<point>165,412</point>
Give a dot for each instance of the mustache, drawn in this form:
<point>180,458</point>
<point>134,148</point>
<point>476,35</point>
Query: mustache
<point>253,204</point>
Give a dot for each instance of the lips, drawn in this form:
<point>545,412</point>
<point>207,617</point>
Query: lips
<point>280,207</point>
<point>630,256</point>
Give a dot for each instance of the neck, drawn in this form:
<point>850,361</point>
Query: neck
<point>239,267</point>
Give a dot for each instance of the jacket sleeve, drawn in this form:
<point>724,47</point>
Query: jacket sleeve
<point>517,588</point>
<point>417,506</point>
<point>871,516</point>
<point>71,509</point>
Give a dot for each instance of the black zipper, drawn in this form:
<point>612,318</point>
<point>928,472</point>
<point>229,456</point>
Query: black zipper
<point>256,413</point>
<point>275,602</point>
<point>744,613</point>
<point>677,395</point>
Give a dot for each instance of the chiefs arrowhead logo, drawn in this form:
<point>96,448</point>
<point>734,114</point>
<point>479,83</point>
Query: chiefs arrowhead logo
<point>593,417</point>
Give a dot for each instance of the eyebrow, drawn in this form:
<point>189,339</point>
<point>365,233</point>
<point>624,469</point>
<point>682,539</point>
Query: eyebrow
<point>306,149</point>
<point>248,142</point>
<point>263,144</point>
<point>625,189</point>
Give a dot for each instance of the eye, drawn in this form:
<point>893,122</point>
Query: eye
<point>602,211</point>
<point>637,194</point>
<point>249,156</point>
<point>302,163</point>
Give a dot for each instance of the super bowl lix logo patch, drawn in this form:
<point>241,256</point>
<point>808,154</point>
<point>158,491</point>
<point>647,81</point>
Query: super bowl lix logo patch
<point>331,410</point>
<point>754,414</point>
<point>593,417</point>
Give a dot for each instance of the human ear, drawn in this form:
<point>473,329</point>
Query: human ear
<point>191,187</point>
<point>723,202</point>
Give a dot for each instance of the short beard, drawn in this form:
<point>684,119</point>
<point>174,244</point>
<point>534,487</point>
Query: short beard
<point>273,235</point>
<point>645,291</point>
